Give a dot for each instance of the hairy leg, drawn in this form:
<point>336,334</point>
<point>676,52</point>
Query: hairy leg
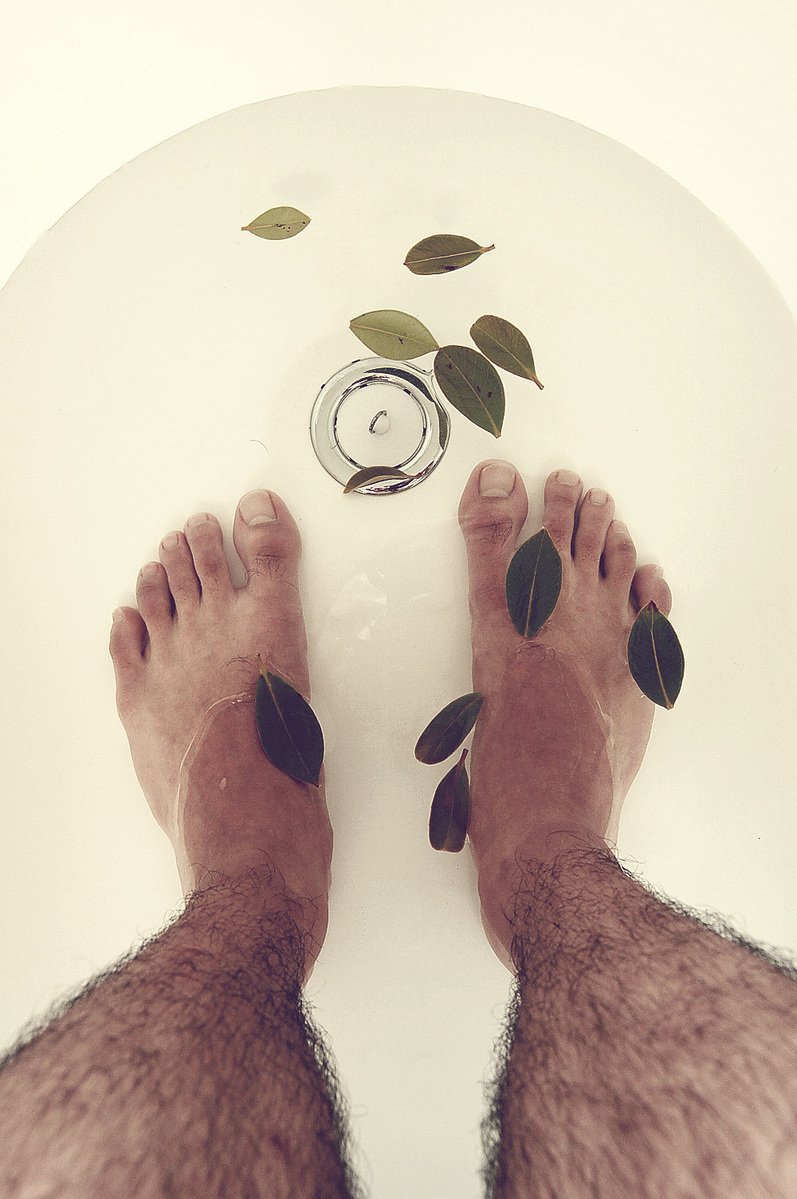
<point>650,1057</point>
<point>190,1070</point>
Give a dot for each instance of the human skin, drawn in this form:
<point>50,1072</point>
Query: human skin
<point>648,1056</point>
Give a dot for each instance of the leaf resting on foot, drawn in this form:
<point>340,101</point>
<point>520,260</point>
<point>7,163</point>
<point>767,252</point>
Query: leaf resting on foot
<point>289,732</point>
<point>655,657</point>
<point>533,583</point>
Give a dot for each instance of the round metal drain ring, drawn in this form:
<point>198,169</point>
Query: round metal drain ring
<point>378,412</point>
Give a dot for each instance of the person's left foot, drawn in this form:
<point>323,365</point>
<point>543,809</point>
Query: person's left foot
<point>193,643</point>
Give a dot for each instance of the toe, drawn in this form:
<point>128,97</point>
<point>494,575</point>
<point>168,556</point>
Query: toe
<point>619,557</point>
<point>128,641</point>
<point>562,493</point>
<point>490,525</point>
<point>153,598</point>
<point>208,562</point>
<point>594,517</point>
<point>648,585</point>
<point>270,549</point>
<point>178,562</point>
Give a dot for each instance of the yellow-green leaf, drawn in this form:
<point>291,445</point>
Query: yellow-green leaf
<point>505,345</point>
<point>393,334</point>
<point>448,819</point>
<point>449,728</point>
<point>472,385</point>
<point>289,732</point>
<point>374,474</point>
<point>533,583</point>
<point>442,253</point>
<point>655,657</point>
<point>277,223</point>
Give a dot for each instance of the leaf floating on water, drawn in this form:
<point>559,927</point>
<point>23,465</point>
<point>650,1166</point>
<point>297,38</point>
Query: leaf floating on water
<point>443,252</point>
<point>374,474</point>
<point>448,729</point>
<point>289,732</point>
<point>393,334</point>
<point>472,385</point>
<point>655,657</point>
<point>505,345</point>
<point>533,583</point>
<point>278,223</point>
<point>448,819</point>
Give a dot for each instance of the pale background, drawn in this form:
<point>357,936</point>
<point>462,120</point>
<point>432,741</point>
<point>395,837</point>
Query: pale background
<point>705,92</point>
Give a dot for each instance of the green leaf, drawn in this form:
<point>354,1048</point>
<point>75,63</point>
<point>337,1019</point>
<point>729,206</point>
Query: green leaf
<point>373,474</point>
<point>277,224</point>
<point>505,345</point>
<point>289,732</point>
<point>448,729</point>
<point>393,334</point>
<point>533,583</point>
<point>472,385</point>
<point>655,657</point>
<point>448,819</point>
<point>443,252</point>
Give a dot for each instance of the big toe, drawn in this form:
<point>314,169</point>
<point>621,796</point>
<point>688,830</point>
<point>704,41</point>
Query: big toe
<point>269,544</point>
<point>491,522</point>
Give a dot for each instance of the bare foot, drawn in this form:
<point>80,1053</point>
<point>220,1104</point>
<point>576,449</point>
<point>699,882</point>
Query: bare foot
<point>564,727</point>
<point>181,660</point>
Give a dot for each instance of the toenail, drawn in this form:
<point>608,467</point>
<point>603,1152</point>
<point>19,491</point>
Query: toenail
<point>170,541</point>
<point>199,518</point>
<point>150,570</point>
<point>497,480</point>
<point>257,508</point>
<point>568,477</point>
<point>597,496</point>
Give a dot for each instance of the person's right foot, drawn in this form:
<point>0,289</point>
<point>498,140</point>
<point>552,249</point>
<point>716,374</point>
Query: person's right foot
<point>564,726</point>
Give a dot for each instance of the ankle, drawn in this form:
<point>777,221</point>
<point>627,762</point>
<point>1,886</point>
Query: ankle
<point>512,884</point>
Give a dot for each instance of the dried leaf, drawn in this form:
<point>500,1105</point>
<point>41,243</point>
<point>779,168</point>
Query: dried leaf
<point>393,334</point>
<point>449,728</point>
<point>289,732</point>
<point>655,657</point>
<point>533,583</point>
<point>505,345</point>
<point>374,474</point>
<point>278,223</point>
<point>442,253</point>
<point>472,385</point>
<point>448,819</point>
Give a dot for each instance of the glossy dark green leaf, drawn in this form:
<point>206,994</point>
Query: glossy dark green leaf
<point>472,385</point>
<point>393,334</point>
<point>505,345</point>
<point>289,732</point>
<point>449,728</point>
<point>442,253</point>
<point>533,583</point>
<point>448,819</point>
<point>374,474</point>
<point>655,657</point>
<point>277,224</point>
